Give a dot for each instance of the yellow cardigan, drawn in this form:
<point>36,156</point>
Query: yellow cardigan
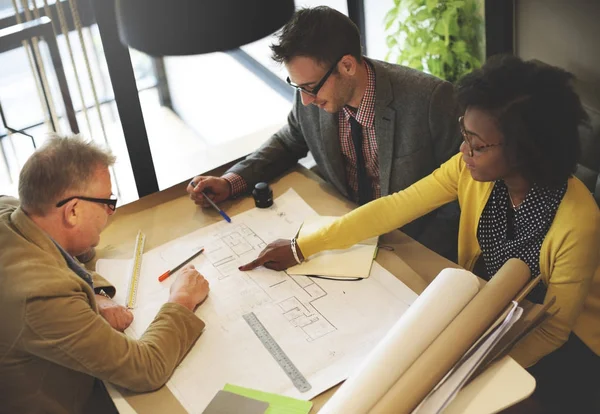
<point>569,256</point>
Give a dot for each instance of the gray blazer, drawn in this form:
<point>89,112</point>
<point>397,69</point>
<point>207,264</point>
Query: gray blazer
<point>415,126</point>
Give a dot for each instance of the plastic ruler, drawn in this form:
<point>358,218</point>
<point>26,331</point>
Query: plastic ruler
<point>136,269</point>
<point>277,353</point>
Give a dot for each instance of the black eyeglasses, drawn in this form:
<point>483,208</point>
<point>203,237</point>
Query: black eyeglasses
<point>473,150</point>
<point>110,202</point>
<point>314,91</point>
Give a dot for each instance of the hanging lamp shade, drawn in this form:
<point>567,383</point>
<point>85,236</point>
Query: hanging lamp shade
<point>190,27</point>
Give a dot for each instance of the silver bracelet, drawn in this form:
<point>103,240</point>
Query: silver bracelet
<point>294,252</point>
<point>101,292</point>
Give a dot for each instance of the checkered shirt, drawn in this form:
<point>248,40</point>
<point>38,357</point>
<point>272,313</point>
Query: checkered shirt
<point>365,115</point>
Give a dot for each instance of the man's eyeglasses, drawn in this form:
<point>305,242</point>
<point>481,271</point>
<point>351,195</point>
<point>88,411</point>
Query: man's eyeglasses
<point>314,91</point>
<point>110,202</point>
<point>473,150</point>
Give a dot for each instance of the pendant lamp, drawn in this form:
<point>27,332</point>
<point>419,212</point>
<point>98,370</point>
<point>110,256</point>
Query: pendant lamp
<point>190,27</point>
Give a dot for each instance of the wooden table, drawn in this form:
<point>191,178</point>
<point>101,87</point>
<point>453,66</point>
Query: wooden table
<point>170,214</point>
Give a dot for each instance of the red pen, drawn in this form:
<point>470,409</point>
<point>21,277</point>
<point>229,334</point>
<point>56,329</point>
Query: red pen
<point>179,266</point>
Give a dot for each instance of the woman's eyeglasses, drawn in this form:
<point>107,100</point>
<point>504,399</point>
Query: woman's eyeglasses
<point>473,150</point>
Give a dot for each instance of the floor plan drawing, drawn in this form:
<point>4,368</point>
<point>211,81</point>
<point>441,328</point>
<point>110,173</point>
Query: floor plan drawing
<point>225,251</point>
<point>226,248</point>
<point>325,327</point>
<point>312,323</point>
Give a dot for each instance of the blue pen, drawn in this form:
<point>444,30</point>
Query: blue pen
<point>212,203</point>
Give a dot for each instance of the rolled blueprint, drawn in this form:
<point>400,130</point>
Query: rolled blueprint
<point>429,368</point>
<point>426,318</point>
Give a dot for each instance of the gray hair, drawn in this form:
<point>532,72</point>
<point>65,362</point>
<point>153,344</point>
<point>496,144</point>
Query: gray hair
<point>61,165</point>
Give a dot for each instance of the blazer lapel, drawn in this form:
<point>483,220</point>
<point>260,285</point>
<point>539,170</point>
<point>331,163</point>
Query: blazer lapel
<point>330,139</point>
<point>384,126</point>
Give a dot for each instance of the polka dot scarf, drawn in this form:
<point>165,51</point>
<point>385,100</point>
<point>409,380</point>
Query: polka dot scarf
<point>505,232</point>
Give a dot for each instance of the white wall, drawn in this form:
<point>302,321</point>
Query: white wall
<point>375,11</point>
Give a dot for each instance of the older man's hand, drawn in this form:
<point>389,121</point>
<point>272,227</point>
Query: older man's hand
<point>119,317</point>
<point>189,289</point>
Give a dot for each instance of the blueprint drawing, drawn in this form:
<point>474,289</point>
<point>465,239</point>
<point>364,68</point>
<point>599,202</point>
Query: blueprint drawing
<point>325,327</point>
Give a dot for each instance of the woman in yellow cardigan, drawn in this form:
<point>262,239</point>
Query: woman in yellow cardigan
<point>518,198</point>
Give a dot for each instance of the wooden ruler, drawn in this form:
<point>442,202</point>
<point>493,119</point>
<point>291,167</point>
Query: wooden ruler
<point>136,269</point>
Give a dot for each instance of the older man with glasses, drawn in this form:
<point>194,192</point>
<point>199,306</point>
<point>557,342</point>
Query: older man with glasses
<point>60,330</point>
<point>373,128</point>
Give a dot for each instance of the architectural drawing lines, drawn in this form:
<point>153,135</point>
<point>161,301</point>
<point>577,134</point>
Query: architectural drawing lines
<point>278,283</point>
<point>225,253</point>
<point>311,321</point>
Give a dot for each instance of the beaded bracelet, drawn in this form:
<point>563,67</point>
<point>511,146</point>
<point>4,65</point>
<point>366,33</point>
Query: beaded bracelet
<point>294,252</point>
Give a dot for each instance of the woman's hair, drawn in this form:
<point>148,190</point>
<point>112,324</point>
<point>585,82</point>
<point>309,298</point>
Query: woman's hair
<point>62,164</point>
<point>537,110</point>
<point>321,33</point>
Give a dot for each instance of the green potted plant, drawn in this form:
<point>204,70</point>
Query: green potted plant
<point>441,37</point>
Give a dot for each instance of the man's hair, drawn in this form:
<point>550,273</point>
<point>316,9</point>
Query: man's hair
<point>61,165</point>
<point>537,111</point>
<point>320,33</point>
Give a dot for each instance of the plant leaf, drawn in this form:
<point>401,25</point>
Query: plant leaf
<point>391,42</point>
<point>422,15</point>
<point>459,47</point>
<point>391,15</point>
<point>436,47</point>
<point>440,28</point>
<point>443,37</point>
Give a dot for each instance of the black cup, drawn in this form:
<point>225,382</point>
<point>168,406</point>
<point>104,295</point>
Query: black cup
<point>263,195</point>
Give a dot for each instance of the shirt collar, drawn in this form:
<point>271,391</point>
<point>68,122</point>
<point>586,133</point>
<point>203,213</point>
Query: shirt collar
<point>365,115</point>
<point>73,265</point>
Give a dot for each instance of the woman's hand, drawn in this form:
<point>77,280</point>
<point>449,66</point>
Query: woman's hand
<point>276,256</point>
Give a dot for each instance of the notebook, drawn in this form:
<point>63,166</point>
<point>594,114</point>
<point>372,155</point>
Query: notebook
<point>352,263</point>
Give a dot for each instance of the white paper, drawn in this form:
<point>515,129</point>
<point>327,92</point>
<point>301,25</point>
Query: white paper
<point>429,315</point>
<point>443,394</point>
<point>325,327</point>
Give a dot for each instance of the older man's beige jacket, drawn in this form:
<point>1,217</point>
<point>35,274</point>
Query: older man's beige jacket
<point>53,342</point>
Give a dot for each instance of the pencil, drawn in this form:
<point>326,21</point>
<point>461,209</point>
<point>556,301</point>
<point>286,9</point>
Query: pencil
<point>179,266</point>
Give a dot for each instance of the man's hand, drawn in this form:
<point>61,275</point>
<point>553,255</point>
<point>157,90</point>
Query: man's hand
<point>276,256</point>
<point>190,288</point>
<point>117,316</point>
<point>217,188</point>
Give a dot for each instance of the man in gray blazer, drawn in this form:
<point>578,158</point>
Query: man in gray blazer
<point>403,123</point>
